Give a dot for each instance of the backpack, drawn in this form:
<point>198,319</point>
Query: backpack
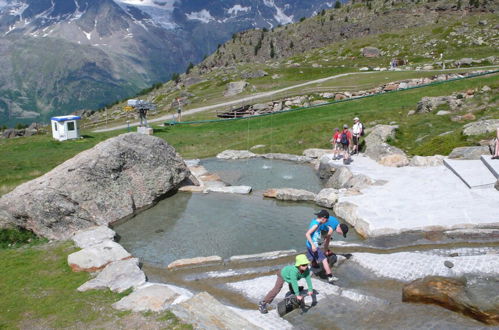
<point>344,138</point>
<point>361,129</point>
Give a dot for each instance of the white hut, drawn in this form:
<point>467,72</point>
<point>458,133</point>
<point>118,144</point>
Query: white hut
<point>65,127</point>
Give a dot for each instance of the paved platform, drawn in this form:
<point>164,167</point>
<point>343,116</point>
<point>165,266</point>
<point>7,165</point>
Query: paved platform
<point>474,173</point>
<point>414,198</point>
<point>492,165</point>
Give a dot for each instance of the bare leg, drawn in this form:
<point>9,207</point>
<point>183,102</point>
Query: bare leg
<point>325,263</point>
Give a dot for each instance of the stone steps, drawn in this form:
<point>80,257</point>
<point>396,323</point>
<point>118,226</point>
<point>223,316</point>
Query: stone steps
<point>492,165</point>
<point>474,173</point>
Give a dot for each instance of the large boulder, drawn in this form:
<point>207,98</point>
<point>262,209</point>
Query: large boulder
<point>340,178</point>
<point>454,294</point>
<point>327,198</point>
<point>387,155</point>
<point>380,134</point>
<point>370,52</point>
<point>481,127</point>
<point>109,182</point>
<point>469,152</point>
<point>235,87</point>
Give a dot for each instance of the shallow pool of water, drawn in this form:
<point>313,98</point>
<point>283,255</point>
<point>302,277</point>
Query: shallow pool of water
<point>190,225</point>
<point>262,173</point>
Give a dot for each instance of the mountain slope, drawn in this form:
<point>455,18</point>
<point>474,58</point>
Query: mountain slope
<point>61,56</point>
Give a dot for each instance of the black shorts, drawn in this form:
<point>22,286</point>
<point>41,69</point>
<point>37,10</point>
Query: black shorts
<point>344,146</point>
<point>355,139</point>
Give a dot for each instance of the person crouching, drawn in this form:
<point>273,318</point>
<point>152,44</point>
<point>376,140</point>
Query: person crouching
<point>291,275</point>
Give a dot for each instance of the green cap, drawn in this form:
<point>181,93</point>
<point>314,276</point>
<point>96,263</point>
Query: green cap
<point>301,259</point>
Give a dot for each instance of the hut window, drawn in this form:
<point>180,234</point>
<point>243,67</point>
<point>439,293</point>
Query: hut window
<point>71,125</point>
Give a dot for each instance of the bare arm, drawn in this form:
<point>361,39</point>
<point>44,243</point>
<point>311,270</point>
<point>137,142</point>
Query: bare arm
<point>328,239</point>
<point>309,237</point>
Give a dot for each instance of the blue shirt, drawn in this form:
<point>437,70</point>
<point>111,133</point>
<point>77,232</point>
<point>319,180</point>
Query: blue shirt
<point>316,234</point>
<point>331,222</point>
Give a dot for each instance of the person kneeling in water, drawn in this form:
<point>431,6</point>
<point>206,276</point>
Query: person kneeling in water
<point>291,275</point>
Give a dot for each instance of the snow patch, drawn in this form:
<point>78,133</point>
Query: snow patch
<point>280,16</point>
<point>88,35</point>
<point>238,8</point>
<point>203,16</point>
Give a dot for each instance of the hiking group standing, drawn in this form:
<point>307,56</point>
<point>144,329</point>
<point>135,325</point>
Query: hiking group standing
<point>346,142</point>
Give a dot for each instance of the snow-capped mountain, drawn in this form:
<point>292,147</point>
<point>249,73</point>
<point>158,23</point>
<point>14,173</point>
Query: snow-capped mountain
<point>62,55</point>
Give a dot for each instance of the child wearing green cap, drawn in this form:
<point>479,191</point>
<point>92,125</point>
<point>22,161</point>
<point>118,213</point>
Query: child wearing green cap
<point>291,275</point>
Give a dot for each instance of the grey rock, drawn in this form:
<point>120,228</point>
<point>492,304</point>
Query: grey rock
<point>254,74</point>
<point>10,133</point>
<point>93,236</point>
<point>387,155</point>
<point>469,152</point>
<point>118,276</point>
<point>380,134</point>
<point>420,161</point>
<point>235,87</point>
<point>262,256</point>
<point>292,158</point>
<point>316,153</point>
<point>192,162</point>
<point>260,107</point>
<point>497,185</point>
<point>327,198</point>
<point>290,194</point>
<point>448,264</point>
<point>327,167</point>
<point>443,113</point>
<point>97,256</point>
<point>340,178</point>
<point>236,154</point>
<point>244,190</point>
<point>359,181</point>
<point>193,262</point>
<point>428,104</point>
<point>205,312</point>
<point>481,127</point>
<point>154,298</point>
<point>370,52</point>
<point>109,182</point>
<point>486,89</point>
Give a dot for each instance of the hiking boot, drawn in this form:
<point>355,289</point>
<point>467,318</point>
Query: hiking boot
<point>332,279</point>
<point>262,307</point>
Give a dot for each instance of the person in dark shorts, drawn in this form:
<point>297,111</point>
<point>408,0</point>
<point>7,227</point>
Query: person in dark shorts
<point>290,274</point>
<point>346,142</point>
<point>314,253</point>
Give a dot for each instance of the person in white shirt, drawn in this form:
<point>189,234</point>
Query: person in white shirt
<point>357,130</point>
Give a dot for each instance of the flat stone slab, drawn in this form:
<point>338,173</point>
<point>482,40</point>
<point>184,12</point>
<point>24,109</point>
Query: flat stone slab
<point>97,256</point>
<point>205,312</point>
<point>415,198</point>
<point>256,289</point>
<point>93,236</point>
<point>152,297</point>
<point>269,321</point>
<point>492,165</point>
<point>263,256</point>
<point>474,173</point>
<point>409,266</point>
<point>244,190</point>
<point>118,276</point>
<point>198,261</point>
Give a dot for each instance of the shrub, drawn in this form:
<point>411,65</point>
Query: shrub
<point>337,5</point>
<point>16,237</point>
<point>302,19</point>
